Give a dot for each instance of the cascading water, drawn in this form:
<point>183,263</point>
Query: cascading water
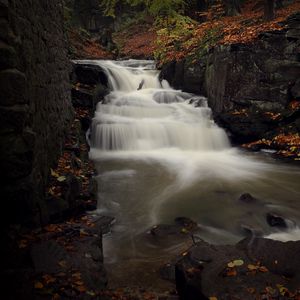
<point>160,155</point>
<point>155,117</point>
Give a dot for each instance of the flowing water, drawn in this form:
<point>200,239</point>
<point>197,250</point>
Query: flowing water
<point>160,155</point>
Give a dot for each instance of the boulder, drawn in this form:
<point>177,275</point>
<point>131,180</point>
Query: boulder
<point>89,74</point>
<point>275,220</point>
<point>247,198</point>
<point>204,271</point>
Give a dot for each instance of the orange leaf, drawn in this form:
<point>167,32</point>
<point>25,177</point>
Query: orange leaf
<point>38,285</point>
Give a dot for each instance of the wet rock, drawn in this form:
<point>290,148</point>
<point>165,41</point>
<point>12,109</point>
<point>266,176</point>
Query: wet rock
<point>104,223</point>
<point>203,272</point>
<point>185,75</point>
<point>165,230</point>
<point>246,126</point>
<point>46,255</point>
<point>276,221</point>
<point>72,189</point>
<point>186,223</point>
<point>249,230</point>
<point>247,198</point>
<point>85,123</point>
<point>89,74</point>
<point>295,90</point>
<point>82,97</point>
<point>12,85</point>
<point>167,272</point>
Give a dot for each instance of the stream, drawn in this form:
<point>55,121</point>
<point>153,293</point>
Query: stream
<point>159,155</point>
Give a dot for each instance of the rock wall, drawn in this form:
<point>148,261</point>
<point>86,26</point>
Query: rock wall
<point>35,107</point>
<point>264,74</point>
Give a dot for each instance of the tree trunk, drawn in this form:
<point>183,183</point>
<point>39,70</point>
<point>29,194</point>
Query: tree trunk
<point>269,10</point>
<point>232,7</point>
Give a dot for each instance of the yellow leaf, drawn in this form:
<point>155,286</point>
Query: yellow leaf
<point>235,263</point>
<point>53,173</point>
<point>61,178</point>
<point>252,267</point>
<point>38,285</point>
<point>213,298</point>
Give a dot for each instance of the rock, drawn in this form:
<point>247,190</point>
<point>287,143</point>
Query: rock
<point>246,126</point>
<point>295,90</point>
<point>203,272</point>
<point>104,223</point>
<point>247,198</point>
<point>89,74</point>
<point>251,231</point>
<point>167,272</point>
<point>8,56</point>
<point>186,75</point>
<point>46,255</point>
<point>186,223</point>
<point>82,97</point>
<point>86,123</point>
<point>72,189</point>
<point>165,230</point>
<point>13,86</point>
<point>276,221</point>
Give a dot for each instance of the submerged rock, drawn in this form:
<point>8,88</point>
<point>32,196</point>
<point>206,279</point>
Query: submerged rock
<point>276,220</point>
<point>247,198</point>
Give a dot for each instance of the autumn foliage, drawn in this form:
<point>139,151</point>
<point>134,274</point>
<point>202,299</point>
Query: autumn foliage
<point>218,29</point>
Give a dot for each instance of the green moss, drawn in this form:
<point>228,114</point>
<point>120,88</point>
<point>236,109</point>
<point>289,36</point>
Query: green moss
<point>210,39</point>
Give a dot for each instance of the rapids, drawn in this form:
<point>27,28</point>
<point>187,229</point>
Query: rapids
<point>160,155</point>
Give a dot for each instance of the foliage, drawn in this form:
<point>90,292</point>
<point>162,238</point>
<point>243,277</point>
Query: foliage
<point>153,7</point>
<point>192,40</point>
<point>171,37</point>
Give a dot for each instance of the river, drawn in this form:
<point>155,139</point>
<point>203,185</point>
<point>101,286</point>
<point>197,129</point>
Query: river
<point>160,155</point>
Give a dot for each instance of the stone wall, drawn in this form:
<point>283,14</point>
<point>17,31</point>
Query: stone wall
<point>35,107</point>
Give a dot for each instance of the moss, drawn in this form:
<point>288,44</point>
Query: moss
<point>210,39</point>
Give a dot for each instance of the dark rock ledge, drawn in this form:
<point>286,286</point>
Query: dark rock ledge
<point>269,270</point>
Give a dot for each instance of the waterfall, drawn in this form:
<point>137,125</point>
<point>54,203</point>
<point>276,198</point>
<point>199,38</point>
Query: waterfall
<point>159,155</point>
<point>141,113</point>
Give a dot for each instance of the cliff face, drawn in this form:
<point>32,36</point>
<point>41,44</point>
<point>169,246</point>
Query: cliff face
<point>35,104</point>
<point>248,84</point>
<point>265,74</point>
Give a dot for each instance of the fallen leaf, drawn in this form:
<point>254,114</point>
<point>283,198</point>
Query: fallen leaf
<point>235,263</point>
<point>80,288</point>
<point>231,272</point>
<point>38,285</point>
<point>48,279</point>
<point>263,269</point>
<point>252,267</point>
<point>79,282</point>
<point>213,298</point>
<point>53,173</point>
<point>61,178</point>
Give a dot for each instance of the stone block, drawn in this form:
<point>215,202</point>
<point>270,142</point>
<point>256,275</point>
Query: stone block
<point>8,57</point>
<point>12,87</point>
